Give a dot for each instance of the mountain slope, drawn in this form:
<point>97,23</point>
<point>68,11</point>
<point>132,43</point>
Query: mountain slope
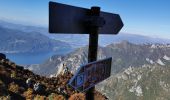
<point>124,54</point>
<point>142,83</point>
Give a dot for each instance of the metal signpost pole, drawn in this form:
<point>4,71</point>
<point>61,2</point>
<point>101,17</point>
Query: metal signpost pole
<point>93,46</point>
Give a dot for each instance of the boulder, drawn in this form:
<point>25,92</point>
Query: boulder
<point>2,56</point>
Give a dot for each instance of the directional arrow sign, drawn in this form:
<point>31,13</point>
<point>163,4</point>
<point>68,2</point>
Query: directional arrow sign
<point>69,19</point>
<point>90,74</point>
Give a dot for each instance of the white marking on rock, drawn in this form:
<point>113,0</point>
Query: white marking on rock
<point>166,57</point>
<point>150,61</point>
<point>139,77</point>
<point>160,62</point>
<point>137,90</point>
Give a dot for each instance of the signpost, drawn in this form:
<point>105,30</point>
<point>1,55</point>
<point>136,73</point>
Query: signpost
<point>90,74</point>
<point>69,19</point>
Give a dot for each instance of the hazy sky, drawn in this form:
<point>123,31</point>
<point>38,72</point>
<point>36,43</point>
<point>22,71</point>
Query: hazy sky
<point>147,17</point>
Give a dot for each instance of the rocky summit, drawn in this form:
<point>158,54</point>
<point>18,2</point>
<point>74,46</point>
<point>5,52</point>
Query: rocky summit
<point>17,83</point>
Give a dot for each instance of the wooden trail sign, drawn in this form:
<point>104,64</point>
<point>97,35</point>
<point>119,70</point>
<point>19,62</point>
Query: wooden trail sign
<point>70,19</point>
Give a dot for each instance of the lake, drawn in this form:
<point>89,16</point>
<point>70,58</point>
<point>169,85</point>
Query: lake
<point>33,58</point>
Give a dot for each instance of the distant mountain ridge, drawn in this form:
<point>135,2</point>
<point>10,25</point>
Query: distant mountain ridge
<point>24,28</point>
<point>79,40</point>
<point>17,41</point>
